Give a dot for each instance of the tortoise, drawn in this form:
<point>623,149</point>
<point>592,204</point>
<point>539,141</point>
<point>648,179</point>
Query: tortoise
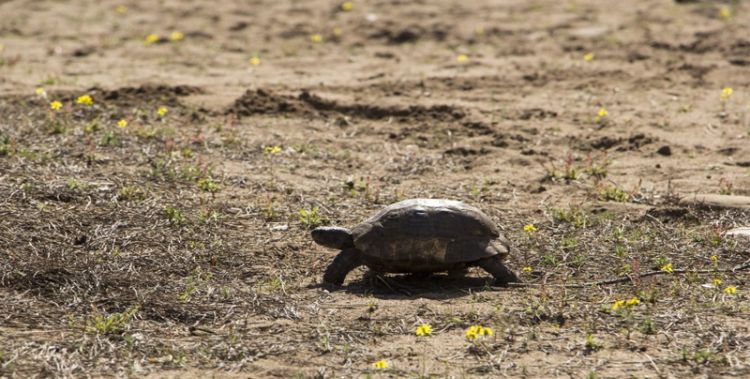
<point>419,236</point>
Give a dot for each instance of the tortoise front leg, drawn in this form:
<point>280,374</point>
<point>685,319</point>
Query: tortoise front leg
<point>495,266</point>
<point>345,262</point>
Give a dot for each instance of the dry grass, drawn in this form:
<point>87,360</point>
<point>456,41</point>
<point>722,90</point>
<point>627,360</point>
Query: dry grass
<point>114,253</point>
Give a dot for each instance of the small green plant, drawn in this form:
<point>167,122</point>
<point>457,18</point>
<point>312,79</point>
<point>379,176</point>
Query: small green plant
<point>56,126</point>
<point>620,250</point>
<point>108,139</point>
<point>569,243</point>
<point>74,184</point>
<point>115,323</point>
<point>578,260</point>
<point>27,187</point>
<point>597,169</point>
<point>591,345</point>
<point>146,132</point>
<point>568,173</point>
<point>209,215</point>
<point>208,185</point>
<point>612,193</point>
<point>191,172</point>
<point>702,357</point>
<point>174,214</point>
<point>574,215</point>
<point>131,193</point>
<point>271,286</point>
<point>549,260</point>
<point>91,127</point>
<point>5,146</point>
<point>187,152</point>
<point>361,187</point>
<point>310,218</point>
<point>196,278</point>
<point>648,326</point>
<point>269,212</point>
<point>162,168</point>
<point>660,262</point>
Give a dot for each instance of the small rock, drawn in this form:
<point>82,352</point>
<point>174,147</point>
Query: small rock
<point>343,122</point>
<point>593,31</point>
<point>665,151</point>
<point>280,228</point>
<point>743,231</point>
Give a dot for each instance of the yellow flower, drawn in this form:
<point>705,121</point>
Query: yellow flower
<point>725,13</point>
<point>152,38</point>
<point>176,36</point>
<point>424,330</point>
<point>55,105</point>
<point>588,57</point>
<point>726,93</point>
<point>462,58</point>
<point>486,332</point>
<point>122,123</point>
<point>85,100</point>
<point>380,365</point>
<point>473,332</point>
<point>529,228</point>
<point>316,38</point>
<point>272,150</point>
<point>526,269</point>
<point>162,111</point>
<point>667,268</point>
<point>41,92</point>
<point>601,114</point>
<point>347,6</point>
<point>254,61</point>
<point>714,259</point>
<point>617,304</point>
<point>337,31</point>
<point>717,282</point>
<point>731,290</point>
<point>633,301</point>
<point>121,9</point>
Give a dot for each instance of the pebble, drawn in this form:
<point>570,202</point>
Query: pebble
<point>743,231</point>
<point>665,151</point>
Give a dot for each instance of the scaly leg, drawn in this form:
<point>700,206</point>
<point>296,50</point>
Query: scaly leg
<point>495,266</point>
<point>345,262</point>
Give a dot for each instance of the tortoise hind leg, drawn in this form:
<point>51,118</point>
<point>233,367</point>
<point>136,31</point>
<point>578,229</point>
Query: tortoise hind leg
<point>345,262</point>
<point>495,266</point>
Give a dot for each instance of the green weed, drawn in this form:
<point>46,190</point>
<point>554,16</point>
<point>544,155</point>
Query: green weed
<point>310,218</point>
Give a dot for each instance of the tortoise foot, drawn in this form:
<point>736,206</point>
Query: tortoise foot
<point>345,262</point>
<point>495,266</point>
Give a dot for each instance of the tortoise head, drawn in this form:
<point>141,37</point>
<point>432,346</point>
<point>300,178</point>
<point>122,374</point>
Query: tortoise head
<point>333,236</point>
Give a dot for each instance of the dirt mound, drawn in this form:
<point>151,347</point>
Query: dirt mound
<point>260,101</point>
<point>634,142</point>
<point>150,93</point>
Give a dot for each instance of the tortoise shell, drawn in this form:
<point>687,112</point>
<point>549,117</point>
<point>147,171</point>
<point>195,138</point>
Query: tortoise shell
<point>428,232</point>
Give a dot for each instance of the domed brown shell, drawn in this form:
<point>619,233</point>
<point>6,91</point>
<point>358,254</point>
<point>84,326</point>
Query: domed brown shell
<point>428,232</point>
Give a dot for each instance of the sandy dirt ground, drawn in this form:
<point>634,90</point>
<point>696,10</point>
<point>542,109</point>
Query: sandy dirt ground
<point>161,230</point>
